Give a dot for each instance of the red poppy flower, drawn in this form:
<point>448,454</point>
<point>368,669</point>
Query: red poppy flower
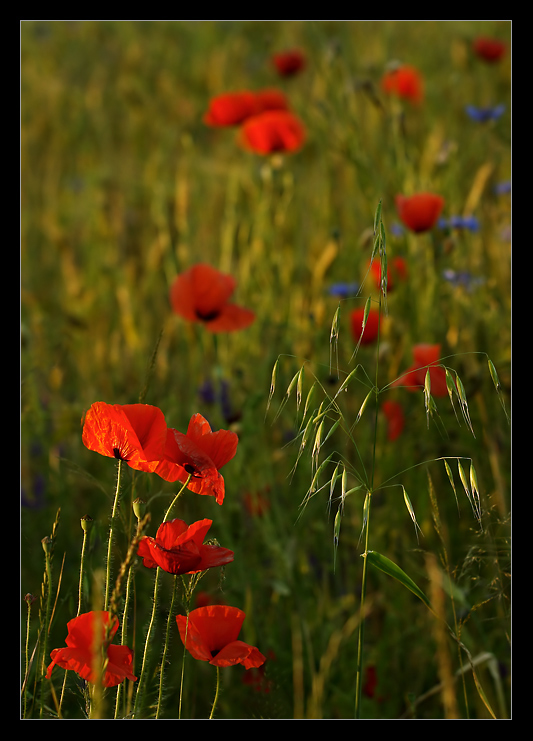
<point>202,293</point>
<point>395,420</point>
<point>420,211</point>
<point>79,655</point>
<point>134,433</point>
<point>396,270</point>
<point>212,635</point>
<point>179,549</point>
<point>230,109</point>
<point>200,454</point>
<point>273,131</point>
<point>488,49</point>
<point>288,63</point>
<point>425,356</point>
<point>372,325</point>
<point>405,82</point>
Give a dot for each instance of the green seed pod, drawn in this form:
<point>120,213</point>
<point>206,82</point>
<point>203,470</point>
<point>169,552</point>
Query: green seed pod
<point>139,508</point>
<point>86,523</point>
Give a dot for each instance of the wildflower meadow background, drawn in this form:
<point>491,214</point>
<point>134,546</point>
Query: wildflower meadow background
<point>265,266</point>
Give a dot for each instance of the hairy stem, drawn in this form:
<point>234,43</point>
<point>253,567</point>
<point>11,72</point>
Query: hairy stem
<point>110,541</point>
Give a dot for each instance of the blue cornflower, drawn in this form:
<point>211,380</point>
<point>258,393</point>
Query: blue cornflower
<point>460,222</point>
<point>343,290</point>
<point>482,115</point>
<point>461,278</point>
<point>503,188</point>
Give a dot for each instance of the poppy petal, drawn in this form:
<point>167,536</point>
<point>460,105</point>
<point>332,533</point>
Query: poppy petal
<point>231,318</point>
<point>220,446</point>
<point>133,432</point>
<point>239,652</point>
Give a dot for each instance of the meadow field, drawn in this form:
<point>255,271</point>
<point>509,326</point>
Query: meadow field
<point>367,503</point>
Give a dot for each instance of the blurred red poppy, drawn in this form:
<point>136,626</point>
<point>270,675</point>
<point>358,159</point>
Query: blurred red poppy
<point>273,131</point>
<point>202,293</point>
<point>420,211</point>
<point>489,49</point>
<point>289,62</point>
<point>257,503</point>
<point>179,549</point>
<point>413,379</point>
<point>371,680</point>
<point>200,453</point>
<point>134,433</point>
<point>84,633</point>
<point>395,420</point>
<point>396,270</point>
<point>405,82</point>
<point>231,109</point>
<point>211,634</point>
<point>372,325</point>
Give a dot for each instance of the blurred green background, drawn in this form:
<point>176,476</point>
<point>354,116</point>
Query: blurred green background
<point>122,187</point>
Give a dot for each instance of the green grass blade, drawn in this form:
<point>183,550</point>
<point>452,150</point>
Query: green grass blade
<point>389,567</point>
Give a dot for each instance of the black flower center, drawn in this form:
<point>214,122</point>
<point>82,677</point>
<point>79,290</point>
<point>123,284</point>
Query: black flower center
<point>192,470</point>
<point>118,455</point>
<point>207,316</point>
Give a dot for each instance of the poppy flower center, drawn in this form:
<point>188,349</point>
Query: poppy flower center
<point>192,470</point>
<point>118,454</point>
<point>207,316</point>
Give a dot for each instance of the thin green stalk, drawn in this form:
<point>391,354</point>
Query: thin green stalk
<point>216,694</point>
<point>123,641</point>
<point>378,226</point>
<point>165,518</point>
<point>165,648</point>
<point>30,599</point>
<point>360,639</point>
<point>183,663</point>
<point>86,524</point>
<point>140,684</point>
<point>47,547</point>
<point>110,541</point>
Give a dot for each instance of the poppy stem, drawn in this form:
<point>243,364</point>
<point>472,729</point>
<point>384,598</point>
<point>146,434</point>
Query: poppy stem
<point>110,541</point>
<point>137,710</point>
<point>216,694</point>
<point>165,648</point>
<point>187,594</point>
<point>165,518</point>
